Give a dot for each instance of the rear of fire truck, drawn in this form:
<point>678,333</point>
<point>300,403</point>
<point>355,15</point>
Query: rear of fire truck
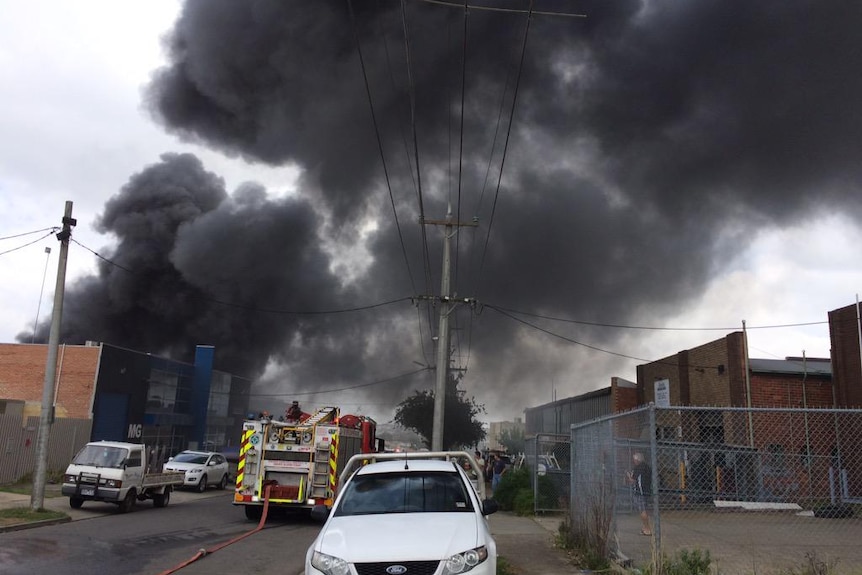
<point>298,461</point>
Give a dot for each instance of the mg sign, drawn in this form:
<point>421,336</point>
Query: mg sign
<point>136,430</point>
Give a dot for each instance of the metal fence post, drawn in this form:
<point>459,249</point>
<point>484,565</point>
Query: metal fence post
<point>653,448</point>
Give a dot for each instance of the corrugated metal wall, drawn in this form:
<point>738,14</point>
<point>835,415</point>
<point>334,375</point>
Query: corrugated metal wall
<point>18,444</point>
<point>556,417</point>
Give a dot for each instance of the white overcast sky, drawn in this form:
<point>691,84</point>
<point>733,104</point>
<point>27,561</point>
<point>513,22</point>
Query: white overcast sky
<point>72,128</point>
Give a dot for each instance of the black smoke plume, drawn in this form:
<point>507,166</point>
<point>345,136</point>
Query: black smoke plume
<point>646,138</point>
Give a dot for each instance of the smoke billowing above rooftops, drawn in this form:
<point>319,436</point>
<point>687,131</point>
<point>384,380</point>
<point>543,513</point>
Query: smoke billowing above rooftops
<point>645,137</point>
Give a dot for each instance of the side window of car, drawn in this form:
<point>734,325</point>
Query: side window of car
<point>134,459</point>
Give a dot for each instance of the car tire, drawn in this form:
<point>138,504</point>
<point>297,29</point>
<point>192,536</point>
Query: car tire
<point>162,499</point>
<point>202,486</point>
<point>223,483</point>
<point>128,503</point>
<point>75,502</point>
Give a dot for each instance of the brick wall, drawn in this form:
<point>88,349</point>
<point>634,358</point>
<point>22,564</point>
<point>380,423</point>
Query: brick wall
<point>707,375</point>
<point>624,395</point>
<point>775,390</point>
<point>846,366</point>
<point>22,377</point>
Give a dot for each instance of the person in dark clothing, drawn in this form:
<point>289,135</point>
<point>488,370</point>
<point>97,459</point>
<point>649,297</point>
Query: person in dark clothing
<point>640,478</point>
<point>498,469</point>
<point>294,412</point>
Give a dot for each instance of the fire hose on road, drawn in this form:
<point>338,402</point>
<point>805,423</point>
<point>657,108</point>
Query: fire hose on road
<point>204,552</point>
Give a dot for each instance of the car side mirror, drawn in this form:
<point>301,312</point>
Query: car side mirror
<point>489,506</point>
<point>319,513</point>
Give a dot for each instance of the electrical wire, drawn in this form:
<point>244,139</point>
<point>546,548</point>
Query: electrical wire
<point>508,135</point>
<point>653,328</point>
<point>511,10</point>
<point>379,142</point>
<point>412,92</point>
<point>596,348</point>
<point>257,308</point>
<point>28,243</point>
<point>52,229</point>
<point>339,389</point>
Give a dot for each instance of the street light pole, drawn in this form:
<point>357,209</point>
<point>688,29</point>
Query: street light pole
<point>47,417</point>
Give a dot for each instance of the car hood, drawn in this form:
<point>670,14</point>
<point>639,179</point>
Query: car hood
<point>181,466</point>
<point>400,536</point>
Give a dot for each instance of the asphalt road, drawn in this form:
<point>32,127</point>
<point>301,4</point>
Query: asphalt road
<point>150,541</point>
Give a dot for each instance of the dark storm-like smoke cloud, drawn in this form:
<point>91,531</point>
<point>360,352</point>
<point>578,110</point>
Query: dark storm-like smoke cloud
<point>641,135</point>
<point>194,265</point>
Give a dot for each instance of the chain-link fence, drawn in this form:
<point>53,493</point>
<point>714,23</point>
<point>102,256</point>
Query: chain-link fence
<point>763,490</point>
<point>548,458</point>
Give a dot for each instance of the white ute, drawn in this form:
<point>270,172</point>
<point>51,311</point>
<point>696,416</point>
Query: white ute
<point>116,472</point>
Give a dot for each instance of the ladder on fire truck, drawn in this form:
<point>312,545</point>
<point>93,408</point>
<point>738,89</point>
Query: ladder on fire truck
<point>322,414</point>
<point>320,478</point>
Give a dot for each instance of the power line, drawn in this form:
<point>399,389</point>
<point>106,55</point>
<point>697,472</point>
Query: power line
<point>508,135</point>
<point>28,243</point>
<point>496,9</point>
<point>347,388</point>
<point>653,328</point>
<point>379,142</point>
<point>52,229</point>
<point>599,349</point>
<point>412,93</point>
<point>256,308</point>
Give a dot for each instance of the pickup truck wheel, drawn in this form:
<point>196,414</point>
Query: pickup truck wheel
<point>128,503</point>
<point>253,512</point>
<point>223,483</point>
<point>162,499</point>
<point>202,486</point>
<point>75,502</point>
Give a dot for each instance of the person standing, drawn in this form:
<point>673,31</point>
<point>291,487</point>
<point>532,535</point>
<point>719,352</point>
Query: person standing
<point>480,463</point>
<point>499,471</point>
<point>640,478</point>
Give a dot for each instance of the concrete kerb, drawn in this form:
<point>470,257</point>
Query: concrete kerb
<point>55,502</point>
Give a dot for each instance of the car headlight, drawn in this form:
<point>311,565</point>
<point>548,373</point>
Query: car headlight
<point>463,562</point>
<point>113,483</point>
<point>194,471</point>
<point>329,564</point>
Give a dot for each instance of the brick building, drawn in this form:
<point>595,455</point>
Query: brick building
<point>129,395</point>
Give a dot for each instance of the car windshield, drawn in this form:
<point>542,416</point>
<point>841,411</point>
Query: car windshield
<point>411,492</point>
<point>101,456</point>
<point>191,458</point>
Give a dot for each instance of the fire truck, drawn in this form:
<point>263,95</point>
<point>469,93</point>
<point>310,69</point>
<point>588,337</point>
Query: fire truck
<point>299,461</point>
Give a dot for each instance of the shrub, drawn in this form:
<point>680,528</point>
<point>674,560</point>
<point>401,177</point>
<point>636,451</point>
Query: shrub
<point>512,482</point>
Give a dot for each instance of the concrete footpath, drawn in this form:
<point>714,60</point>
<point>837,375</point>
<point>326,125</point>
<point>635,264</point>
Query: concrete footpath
<point>526,543</point>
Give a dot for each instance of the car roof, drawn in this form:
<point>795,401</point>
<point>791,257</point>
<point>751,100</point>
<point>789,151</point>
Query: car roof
<point>398,466</point>
<point>194,452</point>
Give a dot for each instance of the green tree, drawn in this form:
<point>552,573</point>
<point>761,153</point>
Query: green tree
<point>461,429</point>
<point>512,439</point>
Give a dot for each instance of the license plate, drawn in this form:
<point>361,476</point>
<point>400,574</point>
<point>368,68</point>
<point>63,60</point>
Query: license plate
<point>88,491</point>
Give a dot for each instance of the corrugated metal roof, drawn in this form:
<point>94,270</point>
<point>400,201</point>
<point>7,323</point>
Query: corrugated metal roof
<point>792,365</point>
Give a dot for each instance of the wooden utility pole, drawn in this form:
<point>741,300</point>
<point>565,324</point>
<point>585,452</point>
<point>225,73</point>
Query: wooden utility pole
<point>446,304</point>
<point>38,497</point>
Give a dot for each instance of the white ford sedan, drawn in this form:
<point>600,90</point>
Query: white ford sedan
<point>405,516</point>
<point>202,469</point>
